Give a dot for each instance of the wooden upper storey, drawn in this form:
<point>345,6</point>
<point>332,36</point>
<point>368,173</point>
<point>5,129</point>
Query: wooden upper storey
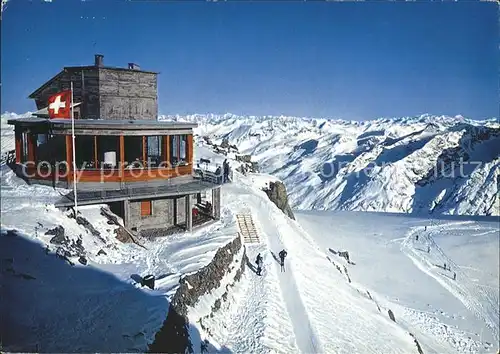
<point>105,92</point>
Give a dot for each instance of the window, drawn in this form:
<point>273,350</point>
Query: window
<point>108,151</point>
<point>84,152</point>
<point>178,149</point>
<point>146,209</point>
<point>183,149</point>
<point>174,149</point>
<point>153,150</point>
<point>24,154</point>
<point>133,151</point>
<point>44,148</point>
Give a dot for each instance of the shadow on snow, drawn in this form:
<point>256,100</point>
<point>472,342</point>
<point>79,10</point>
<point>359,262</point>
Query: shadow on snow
<point>50,306</point>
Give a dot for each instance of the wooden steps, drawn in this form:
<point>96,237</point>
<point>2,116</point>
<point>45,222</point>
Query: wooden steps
<point>248,231</point>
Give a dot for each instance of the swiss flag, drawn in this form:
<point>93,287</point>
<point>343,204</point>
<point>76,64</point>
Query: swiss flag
<point>60,105</point>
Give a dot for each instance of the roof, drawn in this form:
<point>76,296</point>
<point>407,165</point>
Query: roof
<point>69,68</point>
<point>122,124</point>
<point>109,68</point>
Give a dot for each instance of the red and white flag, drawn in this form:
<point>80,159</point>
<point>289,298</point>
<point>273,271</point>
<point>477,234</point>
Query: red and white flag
<point>60,105</point>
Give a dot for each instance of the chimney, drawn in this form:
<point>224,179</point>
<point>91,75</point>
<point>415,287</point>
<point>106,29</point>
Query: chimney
<point>133,66</point>
<point>99,60</point>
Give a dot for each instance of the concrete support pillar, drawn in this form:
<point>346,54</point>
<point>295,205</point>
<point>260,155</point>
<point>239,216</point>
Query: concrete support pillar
<point>216,203</point>
<point>175,211</point>
<point>189,213</point>
<point>126,213</point>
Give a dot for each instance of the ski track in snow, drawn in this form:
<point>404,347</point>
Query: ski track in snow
<point>304,334</point>
<point>352,331</point>
<point>478,300</point>
<point>257,321</point>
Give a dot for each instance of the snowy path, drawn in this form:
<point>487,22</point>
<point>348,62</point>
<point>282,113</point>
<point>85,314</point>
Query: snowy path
<point>304,335</point>
<point>327,314</point>
<point>480,300</point>
<point>258,321</point>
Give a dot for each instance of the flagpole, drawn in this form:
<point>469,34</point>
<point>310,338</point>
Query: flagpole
<point>74,152</point>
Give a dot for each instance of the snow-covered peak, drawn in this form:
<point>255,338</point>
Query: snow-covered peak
<point>427,163</point>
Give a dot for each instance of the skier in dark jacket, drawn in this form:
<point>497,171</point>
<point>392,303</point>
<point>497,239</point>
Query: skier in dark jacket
<point>282,256</point>
<point>258,261</point>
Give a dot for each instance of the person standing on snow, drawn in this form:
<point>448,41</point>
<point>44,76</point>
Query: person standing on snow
<point>258,261</point>
<point>225,166</point>
<point>282,256</point>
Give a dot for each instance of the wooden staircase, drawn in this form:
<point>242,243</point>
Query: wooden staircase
<point>248,231</point>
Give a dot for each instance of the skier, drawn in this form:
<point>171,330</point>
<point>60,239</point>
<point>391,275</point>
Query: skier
<point>282,255</point>
<point>454,276</point>
<point>416,238</point>
<point>258,261</point>
<point>428,249</point>
<point>445,267</point>
<point>425,228</point>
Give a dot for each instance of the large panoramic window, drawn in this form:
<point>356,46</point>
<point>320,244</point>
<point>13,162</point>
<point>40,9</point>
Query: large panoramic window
<point>84,152</point>
<point>154,155</point>
<point>183,148</point>
<point>178,149</point>
<point>43,149</point>
<point>24,152</point>
<point>56,149</point>
<point>108,151</point>
<point>133,152</point>
<point>174,150</point>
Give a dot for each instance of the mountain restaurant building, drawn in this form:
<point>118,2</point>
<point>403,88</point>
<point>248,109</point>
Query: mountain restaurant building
<point>141,168</point>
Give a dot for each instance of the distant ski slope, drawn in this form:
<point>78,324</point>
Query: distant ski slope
<point>409,165</point>
<point>446,315</point>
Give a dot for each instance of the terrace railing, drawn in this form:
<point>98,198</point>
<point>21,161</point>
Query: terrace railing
<point>208,171</point>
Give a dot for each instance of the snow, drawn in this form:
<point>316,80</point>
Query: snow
<point>321,303</point>
<point>98,296</point>
<point>447,316</point>
<point>308,299</point>
<point>378,165</point>
<point>387,165</point>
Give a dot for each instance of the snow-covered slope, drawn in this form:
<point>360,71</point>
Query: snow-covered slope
<point>428,164</point>
<point>99,307</point>
<point>447,315</point>
<point>320,304</point>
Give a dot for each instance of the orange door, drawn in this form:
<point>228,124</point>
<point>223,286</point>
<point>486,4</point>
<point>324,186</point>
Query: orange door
<point>146,207</point>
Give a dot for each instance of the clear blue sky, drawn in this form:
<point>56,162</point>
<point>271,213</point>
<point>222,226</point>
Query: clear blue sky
<point>323,59</point>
